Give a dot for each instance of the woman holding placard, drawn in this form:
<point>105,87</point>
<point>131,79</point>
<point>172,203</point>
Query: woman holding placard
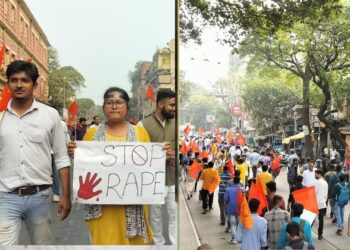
<point>117,224</point>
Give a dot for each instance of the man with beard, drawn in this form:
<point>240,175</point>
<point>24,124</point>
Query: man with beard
<point>161,128</point>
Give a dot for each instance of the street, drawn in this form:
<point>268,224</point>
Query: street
<point>71,231</point>
<point>211,232</point>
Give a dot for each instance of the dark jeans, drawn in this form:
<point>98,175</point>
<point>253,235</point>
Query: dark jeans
<point>222,208</point>
<point>321,214</point>
<point>254,171</point>
<point>207,199</point>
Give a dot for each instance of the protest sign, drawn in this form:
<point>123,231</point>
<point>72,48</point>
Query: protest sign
<point>119,173</point>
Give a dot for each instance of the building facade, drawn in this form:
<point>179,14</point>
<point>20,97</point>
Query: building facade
<point>160,73</point>
<point>24,40</point>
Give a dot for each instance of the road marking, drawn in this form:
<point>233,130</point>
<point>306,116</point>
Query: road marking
<point>190,217</point>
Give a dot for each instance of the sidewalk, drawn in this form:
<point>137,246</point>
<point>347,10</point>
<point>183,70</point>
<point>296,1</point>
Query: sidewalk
<point>210,231</point>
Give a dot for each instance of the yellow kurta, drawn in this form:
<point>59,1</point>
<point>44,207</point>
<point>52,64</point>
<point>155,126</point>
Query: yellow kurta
<point>110,228</point>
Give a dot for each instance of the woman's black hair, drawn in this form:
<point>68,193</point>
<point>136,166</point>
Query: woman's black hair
<point>23,66</point>
<point>124,94</point>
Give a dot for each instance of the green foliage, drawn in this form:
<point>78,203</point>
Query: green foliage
<point>239,18</point>
<point>54,62</point>
<point>187,89</point>
<point>199,106</point>
<point>87,108</point>
<point>64,82</point>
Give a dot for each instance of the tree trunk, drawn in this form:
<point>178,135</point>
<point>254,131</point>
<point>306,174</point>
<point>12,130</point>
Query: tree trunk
<point>322,116</point>
<point>306,111</point>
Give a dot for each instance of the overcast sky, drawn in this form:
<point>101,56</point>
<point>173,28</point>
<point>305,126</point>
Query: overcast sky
<point>104,39</point>
<point>204,64</point>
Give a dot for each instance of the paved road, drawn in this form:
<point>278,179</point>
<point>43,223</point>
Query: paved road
<point>71,231</point>
<point>210,231</point>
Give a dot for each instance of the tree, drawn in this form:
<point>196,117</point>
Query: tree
<point>86,108</point>
<point>54,62</point>
<point>187,89</point>
<point>285,39</point>
<point>239,18</point>
<point>269,104</point>
<point>198,107</point>
<point>64,82</point>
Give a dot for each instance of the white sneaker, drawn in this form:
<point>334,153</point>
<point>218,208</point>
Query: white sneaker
<point>233,241</point>
<point>55,198</point>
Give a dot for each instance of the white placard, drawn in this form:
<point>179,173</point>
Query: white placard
<point>119,173</point>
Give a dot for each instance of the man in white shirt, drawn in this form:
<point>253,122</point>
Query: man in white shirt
<point>309,175</point>
<point>321,194</point>
<point>29,131</point>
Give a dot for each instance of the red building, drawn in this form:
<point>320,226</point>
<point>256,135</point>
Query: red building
<point>25,40</point>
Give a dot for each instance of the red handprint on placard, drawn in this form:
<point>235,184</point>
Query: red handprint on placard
<point>86,189</point>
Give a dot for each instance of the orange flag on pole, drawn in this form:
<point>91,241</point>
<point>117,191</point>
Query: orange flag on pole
<point>194,169</point>
<point>150,93</point>
<point>2,53</point>
<point>230,167</point>
<point>256,191</point>
<point>241,140</point>
<point>245,216</point>
<point>276,163</point>
<point>187,130</point>
<point>307,197</point>
<point>5,98</point>
<point>200,131</point>
<point>73,112</point>
<point>183,148</point>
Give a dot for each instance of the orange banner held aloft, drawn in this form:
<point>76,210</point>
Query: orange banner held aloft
<point>73,112</point>
<point>275,164</point>
<point>307,197</point>
<point>245,216</point>
<point>5,98</point>
<point>241,140</point>
<point>256,191</point>
<point>194,169</point>
<point>230,167</point>
<point>183,148</point>
<point>187,130</point>
<point>200,131</point>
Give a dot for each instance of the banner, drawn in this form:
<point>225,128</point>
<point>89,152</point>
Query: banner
<point>119,173</point>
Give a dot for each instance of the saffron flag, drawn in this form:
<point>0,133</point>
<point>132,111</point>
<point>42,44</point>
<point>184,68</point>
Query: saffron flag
<point>187,130</point>
<point>230,167</point>
<point>245,216</point>
<point>194,169</point>
<point>307,197</point>
<point>150,93</point>
<point>218,131</point>
<point>5,98</point>
<point>275,164</point>
<point>73,112</point>
<point>2,53</point>
<point>200,131</point>
<point>256,191</point>
<point>240,140</point>
<point>183,148</point>
<point>229,138</point>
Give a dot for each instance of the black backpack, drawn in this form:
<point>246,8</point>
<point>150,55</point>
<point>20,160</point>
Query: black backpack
<point>292,175</point>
